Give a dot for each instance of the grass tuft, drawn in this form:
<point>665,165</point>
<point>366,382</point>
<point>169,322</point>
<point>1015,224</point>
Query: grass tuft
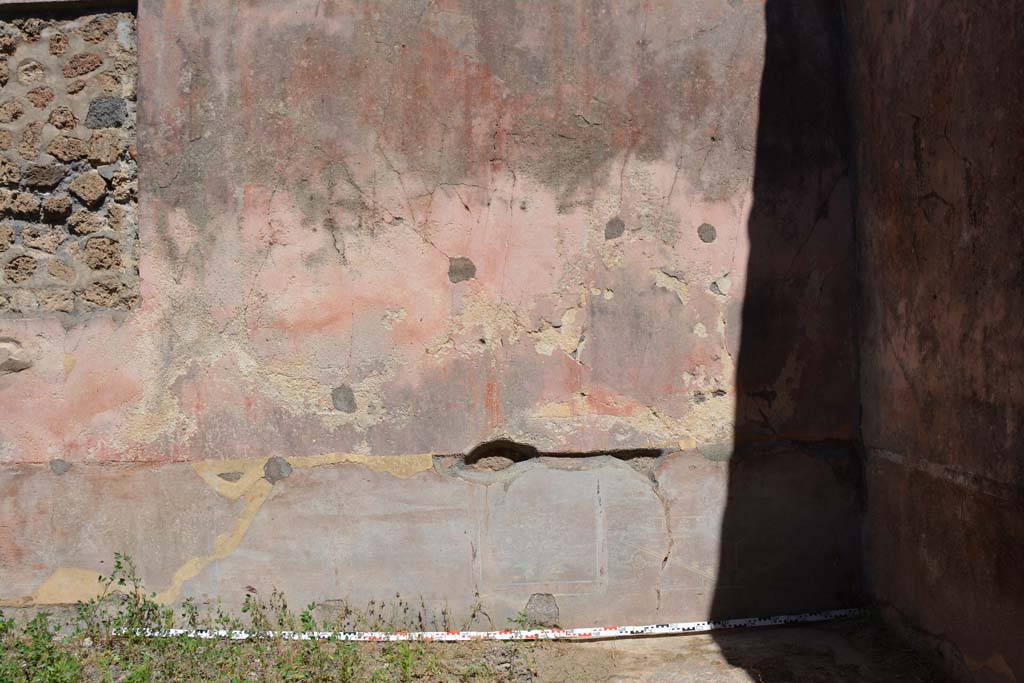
<point>97,642</point>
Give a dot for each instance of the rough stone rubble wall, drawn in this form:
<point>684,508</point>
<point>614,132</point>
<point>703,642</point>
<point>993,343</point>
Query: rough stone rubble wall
<point>937,95</point>
<point>68,226</point>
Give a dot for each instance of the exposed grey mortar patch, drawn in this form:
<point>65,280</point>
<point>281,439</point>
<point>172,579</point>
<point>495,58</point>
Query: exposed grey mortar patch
<point>460,268</point>
<point>276,469</point>
<point>614,228</point>
<point>231,476</point>
<point>59,466</point>
<point>343,399</point>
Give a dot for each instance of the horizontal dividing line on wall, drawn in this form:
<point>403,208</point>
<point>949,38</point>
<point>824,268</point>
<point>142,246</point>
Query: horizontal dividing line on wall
<point>970,481</point>
<point>591,633</point>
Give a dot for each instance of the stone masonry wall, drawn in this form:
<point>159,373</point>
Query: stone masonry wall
<point>68,235</point>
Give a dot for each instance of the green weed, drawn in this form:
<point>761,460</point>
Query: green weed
<point>100,641</point>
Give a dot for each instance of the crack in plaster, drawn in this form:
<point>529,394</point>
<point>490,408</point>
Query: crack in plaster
<point>670,539</point>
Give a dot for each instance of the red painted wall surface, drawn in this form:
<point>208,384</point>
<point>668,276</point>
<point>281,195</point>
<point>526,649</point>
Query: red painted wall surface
<point>935,91</point>
<point>311,170</point>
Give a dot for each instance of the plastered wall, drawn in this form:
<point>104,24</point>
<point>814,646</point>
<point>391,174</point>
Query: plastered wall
<point>373,236</point>
<point>934,91</point>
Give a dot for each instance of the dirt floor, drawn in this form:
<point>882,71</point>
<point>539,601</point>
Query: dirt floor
<point>841,652</point>
<point>833,653</point>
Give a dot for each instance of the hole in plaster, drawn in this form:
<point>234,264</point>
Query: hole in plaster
<point>499,454</point>
<point>614,228</point>
<point>59,466</point>
<point>460,269</point>
<point>276,469</point>
<point>502,453</point>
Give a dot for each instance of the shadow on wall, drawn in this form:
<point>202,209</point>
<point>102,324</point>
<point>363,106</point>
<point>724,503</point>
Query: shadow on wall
<point>790,538</point>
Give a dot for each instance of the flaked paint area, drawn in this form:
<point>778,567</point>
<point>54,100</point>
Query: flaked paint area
<point>298,222</point>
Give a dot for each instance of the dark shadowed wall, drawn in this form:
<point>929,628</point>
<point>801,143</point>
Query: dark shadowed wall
<point>937,95</point>
<point>796,403</point>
